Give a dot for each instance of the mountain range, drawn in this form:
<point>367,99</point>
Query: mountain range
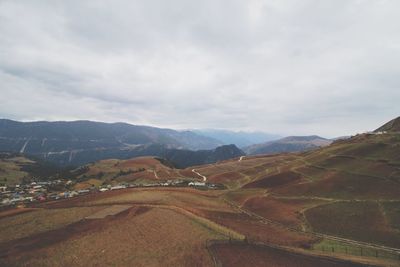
<point>80,142</point>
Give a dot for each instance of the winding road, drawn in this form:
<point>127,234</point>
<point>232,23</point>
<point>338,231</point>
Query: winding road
<point>202,176</point>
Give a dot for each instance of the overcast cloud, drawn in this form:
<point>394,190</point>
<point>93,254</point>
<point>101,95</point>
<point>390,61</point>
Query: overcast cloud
<point>289,67</point>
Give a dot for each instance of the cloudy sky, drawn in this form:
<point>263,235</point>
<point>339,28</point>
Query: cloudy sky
<point>288,67</point>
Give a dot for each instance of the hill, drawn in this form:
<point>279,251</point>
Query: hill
<point>288,144</point>
<point>16,168</point>
<point>136,170</point>
<point>391,126</point>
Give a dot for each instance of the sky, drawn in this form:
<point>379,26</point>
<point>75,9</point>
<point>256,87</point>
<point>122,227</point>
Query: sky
<point>301,67</point>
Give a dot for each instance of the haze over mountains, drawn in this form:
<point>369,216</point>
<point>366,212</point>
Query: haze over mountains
<point>240,138</point>
<point>288,144</point>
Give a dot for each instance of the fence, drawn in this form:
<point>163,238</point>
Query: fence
<point>327,248</point>
<point>349,249</point>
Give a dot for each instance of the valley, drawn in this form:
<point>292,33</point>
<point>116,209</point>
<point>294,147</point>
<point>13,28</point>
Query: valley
<point>334,206</point>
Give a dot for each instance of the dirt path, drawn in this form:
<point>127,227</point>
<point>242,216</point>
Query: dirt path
<point>202,176</point>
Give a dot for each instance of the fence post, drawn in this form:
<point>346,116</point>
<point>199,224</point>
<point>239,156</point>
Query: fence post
<point>361,251</point>
<point>346,249</point>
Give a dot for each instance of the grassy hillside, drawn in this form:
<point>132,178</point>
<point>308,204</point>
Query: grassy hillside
<point>355,180</point>
<point>12,169</point>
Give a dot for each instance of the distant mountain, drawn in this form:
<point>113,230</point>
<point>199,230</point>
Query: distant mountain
<point>78,142</point>
<point>241,139</point>
<point>186,158</point>
<point>288,144</point>
<point>391,126</point>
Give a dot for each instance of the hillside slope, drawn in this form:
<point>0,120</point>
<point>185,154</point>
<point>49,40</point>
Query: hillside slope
<point>391,126</point>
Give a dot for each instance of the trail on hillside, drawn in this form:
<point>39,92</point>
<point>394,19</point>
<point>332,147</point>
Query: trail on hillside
<point>202,176</point>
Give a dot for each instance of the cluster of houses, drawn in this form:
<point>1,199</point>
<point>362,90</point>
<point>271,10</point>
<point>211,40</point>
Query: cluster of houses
<point>59,189</point>
<point>30,192</point>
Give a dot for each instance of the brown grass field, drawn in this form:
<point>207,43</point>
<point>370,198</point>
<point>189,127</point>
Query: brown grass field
<point>392,212</point>
<point>257,231</point>
<point>40,220</point>
<point>154,237</point>
<point>285,211</point>
<point>276,180</point>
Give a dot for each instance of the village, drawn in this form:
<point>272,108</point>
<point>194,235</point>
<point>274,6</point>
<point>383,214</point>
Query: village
<point>39,191</point>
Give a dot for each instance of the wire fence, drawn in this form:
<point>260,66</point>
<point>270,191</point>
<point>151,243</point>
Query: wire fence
<point>353,250</point>
<point>327,249</point>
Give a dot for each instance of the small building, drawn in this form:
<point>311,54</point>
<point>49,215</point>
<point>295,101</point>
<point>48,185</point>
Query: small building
<point>197,184</point>
<point>118,187</point>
